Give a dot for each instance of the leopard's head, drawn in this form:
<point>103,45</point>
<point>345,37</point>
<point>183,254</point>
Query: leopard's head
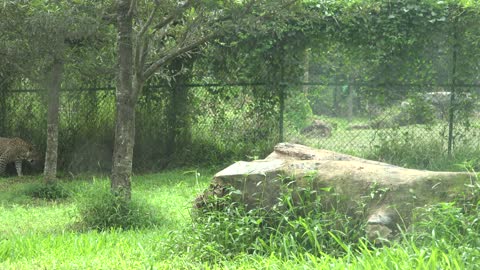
<point>32,156</point>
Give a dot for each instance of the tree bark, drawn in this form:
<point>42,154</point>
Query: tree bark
<point>131,78</point>
<point>178,116</point>
<point>383,194</point>
<point>125,105</point>
<point>336,93</point>
<point>351,92</point>
<point>51,155</point>
<point>3,112</point>
<point>306,71</point>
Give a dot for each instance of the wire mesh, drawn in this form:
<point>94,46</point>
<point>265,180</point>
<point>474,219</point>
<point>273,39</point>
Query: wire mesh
<point>219,124</point>
<point>345,119</point>
<point>214,124</point>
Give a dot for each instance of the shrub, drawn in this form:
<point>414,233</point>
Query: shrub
<point>299,113</point>
<point>420,111</point>
<point>49,191</point>
<point>100,209</point>
<point>407,149</point>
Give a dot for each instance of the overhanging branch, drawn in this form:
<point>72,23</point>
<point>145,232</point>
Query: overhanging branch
<point>174,53</point>
<point>173,16</point>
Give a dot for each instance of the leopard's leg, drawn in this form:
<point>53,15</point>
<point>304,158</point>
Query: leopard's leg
<point>18,166</point>
<point>3,164</point>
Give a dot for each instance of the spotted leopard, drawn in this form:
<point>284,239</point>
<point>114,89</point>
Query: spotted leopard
<point>16,150</point>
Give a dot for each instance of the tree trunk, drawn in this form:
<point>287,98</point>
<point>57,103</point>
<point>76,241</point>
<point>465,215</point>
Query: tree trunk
<point>451,107</point>
<point>125,105</point>
<point>351,92</point>
<point>179,124</point>
<point>306,70</point>
<point>178,120</point>
<point>3,112</point>
<point>383,194</point>
<point>336,91</point>
<point>51,155</point>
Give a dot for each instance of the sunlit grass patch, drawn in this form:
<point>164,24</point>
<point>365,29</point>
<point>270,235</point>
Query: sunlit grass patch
<point>37,234</point>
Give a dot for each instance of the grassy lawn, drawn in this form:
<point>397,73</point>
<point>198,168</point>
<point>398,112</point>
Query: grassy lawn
<point>38,234</point>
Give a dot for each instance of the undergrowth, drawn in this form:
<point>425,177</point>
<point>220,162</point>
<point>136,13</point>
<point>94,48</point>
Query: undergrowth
<point>48,191</point>
<point>295,225</point>
<point>100,209</point>
<point>417,151</point>
<point>445,236</point>
<point>297,233</point>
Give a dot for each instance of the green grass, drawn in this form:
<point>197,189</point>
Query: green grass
<point>37,234</point>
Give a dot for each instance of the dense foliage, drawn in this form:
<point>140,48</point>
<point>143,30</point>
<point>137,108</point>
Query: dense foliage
<point>223,83</point>
<point>362,55</point>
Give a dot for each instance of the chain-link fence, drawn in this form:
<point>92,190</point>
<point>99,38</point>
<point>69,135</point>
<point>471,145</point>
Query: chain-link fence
<point>185,125</point>
<point>426,121</point>
<point>199,124</point>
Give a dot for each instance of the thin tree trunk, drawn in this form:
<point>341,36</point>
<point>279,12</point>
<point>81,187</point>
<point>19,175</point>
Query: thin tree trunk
<point>350,97</point>
<point>51,155</point>
<point>183,123</point>
<point>178,120</point>
<point>3,112</point>
<point>178,116</point>
<point>306,71</point>
<point>350,103</point>
<point>336,90</point>
<point>281,131</point>
<point>125,105</point>
<point>451,108</point>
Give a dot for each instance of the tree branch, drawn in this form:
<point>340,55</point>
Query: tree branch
<point>173,16</point>
<point>132,7</point>
<point>141,43</point>
<point>174,53</point>
<point>25,73</point>
<point>149,22</point>
<point>143,54</point>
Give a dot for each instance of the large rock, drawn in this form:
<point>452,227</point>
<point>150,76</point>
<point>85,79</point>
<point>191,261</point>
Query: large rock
<point>387,194</point>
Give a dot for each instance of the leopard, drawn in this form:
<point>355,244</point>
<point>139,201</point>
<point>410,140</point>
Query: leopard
<point>16,150</point>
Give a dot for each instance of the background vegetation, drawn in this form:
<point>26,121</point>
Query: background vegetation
<point>242,92</point>
<point>395,81</point>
